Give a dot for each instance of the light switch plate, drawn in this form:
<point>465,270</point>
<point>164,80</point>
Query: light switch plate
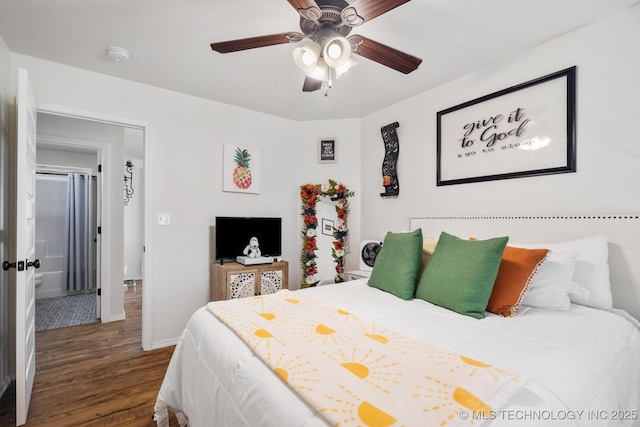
<point>164,219</point>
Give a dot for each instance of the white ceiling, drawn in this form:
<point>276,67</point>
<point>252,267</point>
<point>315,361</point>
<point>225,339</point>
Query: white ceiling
<point>169,44</point>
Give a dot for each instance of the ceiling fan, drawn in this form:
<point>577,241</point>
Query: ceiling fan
<point>327,23</point>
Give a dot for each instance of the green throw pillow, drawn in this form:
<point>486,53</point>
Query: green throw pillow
<point>461,274</point>
<point>398,264</point>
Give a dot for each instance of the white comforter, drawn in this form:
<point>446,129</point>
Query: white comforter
<point>582,365</point>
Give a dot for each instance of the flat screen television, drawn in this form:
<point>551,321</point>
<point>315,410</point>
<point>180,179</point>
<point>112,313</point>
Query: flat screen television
<point>232,235</point>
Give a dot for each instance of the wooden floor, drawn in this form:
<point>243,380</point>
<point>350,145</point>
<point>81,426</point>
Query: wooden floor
<point>97,374</point>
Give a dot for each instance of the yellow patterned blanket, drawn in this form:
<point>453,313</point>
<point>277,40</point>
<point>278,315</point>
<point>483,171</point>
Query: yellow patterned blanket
<point>356,373</point>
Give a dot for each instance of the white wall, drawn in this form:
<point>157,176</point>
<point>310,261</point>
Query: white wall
<point>134,224</point>
<point>608,141</point>
<point>346,171</point>
<point>183,159</point>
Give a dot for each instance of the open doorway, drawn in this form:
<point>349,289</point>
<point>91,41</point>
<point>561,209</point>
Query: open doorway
<point>114,145</point>
<point>66,285</point>
<point>133,225</point>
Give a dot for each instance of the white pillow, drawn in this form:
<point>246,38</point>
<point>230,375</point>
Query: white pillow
<point>550,286</point>
<point>591,271</point>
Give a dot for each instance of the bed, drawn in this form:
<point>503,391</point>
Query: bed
<point>577,365</point>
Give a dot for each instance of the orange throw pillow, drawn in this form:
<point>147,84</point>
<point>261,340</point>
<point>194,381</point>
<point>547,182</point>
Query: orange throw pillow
<point>517,268</point>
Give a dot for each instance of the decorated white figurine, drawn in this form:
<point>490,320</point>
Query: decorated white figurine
<point>252,250</point>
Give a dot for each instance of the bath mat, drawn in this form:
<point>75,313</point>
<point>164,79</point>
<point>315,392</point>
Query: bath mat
<point>60,312</point>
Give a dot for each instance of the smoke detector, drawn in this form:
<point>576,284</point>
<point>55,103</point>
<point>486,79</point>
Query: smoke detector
<point>118,54</point>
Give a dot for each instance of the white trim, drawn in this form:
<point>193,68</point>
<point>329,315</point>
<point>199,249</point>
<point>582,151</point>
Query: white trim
<point>118,317</point>
<point>100,254</point>
<point>164,343</point>
<point>81,113</point>
<point>147,273</point>
<point>62,169</point>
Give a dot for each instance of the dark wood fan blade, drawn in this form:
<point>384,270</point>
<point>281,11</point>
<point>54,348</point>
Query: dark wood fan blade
<point>384,55</point>
<point>255,42</point>
<point>308,9</point>
<point>311,85</point>
<point>362,11</point>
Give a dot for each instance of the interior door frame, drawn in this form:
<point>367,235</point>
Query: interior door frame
<point>102,153</point>
<point>145,126</point>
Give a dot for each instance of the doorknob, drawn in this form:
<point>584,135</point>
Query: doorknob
<point>6,265</point>
<point>34,264</point>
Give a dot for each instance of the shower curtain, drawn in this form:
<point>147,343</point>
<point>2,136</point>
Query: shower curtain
<point>75,270</point>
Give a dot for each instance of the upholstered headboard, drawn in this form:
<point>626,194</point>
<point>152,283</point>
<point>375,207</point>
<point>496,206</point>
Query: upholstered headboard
<point>623,232</point>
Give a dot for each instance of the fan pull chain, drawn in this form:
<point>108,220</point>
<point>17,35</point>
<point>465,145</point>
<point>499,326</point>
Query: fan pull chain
<point>329,84</point>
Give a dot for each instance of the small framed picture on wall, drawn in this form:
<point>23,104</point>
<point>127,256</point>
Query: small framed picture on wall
<point>327,150</point>
<point>327,227</point>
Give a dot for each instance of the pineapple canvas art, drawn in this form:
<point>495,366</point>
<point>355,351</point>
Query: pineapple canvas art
<point>241,166</point>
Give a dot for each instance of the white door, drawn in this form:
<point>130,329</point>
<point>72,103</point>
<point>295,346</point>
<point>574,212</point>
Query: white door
<point>25,246</point>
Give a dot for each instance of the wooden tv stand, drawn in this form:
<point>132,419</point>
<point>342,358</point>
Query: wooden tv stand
<point>233,280</point>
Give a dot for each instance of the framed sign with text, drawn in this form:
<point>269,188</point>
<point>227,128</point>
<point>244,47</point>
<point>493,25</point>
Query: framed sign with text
<point>525,130</point>
<point>327,150</point>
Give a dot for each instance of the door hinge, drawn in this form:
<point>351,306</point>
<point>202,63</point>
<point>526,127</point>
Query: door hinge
<point>99,168</point>
<point>99,230</point>
<point>99,292</point>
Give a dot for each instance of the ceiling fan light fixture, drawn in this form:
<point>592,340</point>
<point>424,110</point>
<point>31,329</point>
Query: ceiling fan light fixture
<point>307,56</point>
<point>308,59</point>
<point>334,51</point>
<point>327,55</point>
<point>337,51</point>
<point>342,69</point>
<point>320,71</point>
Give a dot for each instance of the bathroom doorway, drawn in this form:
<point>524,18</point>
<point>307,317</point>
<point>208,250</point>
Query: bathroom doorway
<point>54,214</point>
<point>66,239</point>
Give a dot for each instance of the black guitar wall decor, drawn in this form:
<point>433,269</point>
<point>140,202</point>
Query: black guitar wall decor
<point>390,162</point>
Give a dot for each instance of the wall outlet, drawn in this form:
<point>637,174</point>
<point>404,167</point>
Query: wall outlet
<point>164,219</point>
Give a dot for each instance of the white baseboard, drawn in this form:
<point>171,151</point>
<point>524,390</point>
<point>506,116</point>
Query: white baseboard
<point>165,343</point>
<point>115,318</point>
